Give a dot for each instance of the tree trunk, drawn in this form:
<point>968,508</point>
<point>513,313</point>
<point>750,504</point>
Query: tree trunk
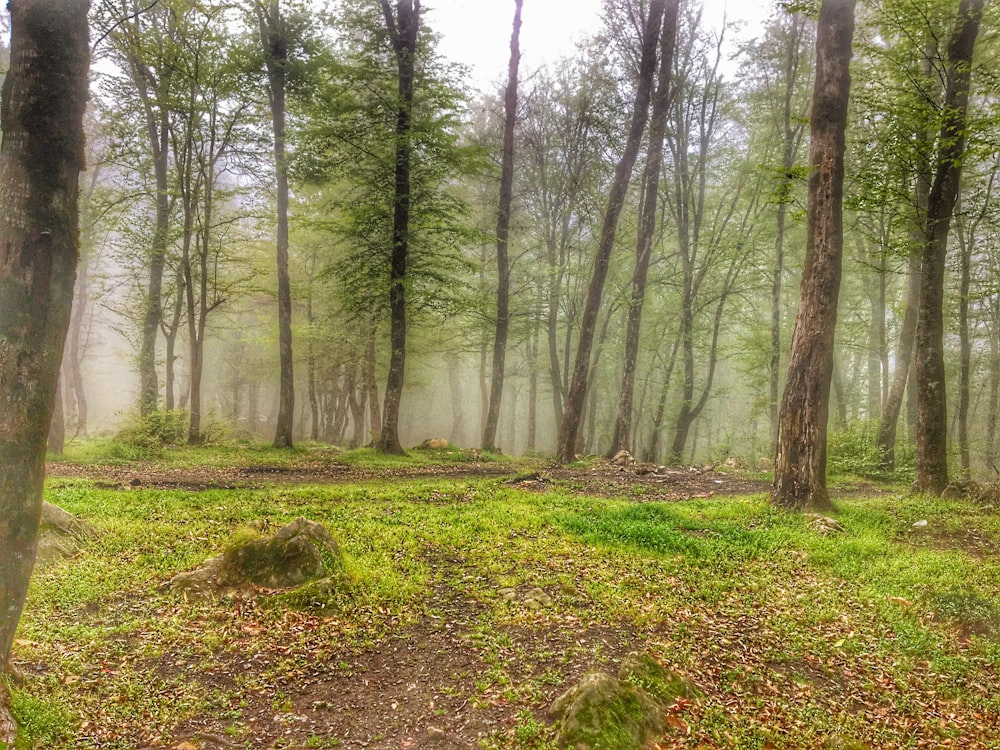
<point>41,155</point>
<point>932,419</point>
<point>457,432</point>
<point>573,410</point>
<point>965,347</point>
<point>792,129</point>
<point>371,384</point>
<point>155,108</point>
<point>56,442</point>
<point>621,438</point>
<point>800,463</point>
<point>503,233</point>
<point>404,42</point>
<point>273,36</point>
<point>76,349</point>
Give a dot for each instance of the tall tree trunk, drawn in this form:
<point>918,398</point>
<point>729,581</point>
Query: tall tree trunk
<point>457,432</point>
<point>311,371</point>
<point>965,347</point>
<point>503,234</point>
<point>577,395</point>
<point>907,332</point>
<point>154,94</point>
<point>41,155</point>
<point>791,136</point>
<point>621,438</point>
<point>404,41</point>
<point>274,38</point>
<point>371,384</point>
<point>932,419</point>
<point>993,406</point>
<point>800,463</point>
<point>76,349</point>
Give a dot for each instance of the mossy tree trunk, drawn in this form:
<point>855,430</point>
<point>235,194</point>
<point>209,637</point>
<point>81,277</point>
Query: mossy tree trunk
<point>40,159</point>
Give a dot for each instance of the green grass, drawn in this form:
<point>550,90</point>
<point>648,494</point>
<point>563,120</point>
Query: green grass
<point>793,637</point>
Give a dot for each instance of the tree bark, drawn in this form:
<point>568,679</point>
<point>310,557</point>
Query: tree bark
<point>403,34</point>
<point>273,36</point>
<point>503,235</point>
<point>576,397</point>
<point>40,160</point>
<point>800,463</point>
<point>932,419</point>
<point>621,438</point>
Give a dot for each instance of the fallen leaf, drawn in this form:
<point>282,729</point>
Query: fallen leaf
<point>679,724</point>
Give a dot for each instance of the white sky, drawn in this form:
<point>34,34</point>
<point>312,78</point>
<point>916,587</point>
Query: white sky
<point>477,32</point>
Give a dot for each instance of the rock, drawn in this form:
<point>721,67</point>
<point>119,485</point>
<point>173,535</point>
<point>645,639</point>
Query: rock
<point>536,598</point>
<point>765,464</point>
<point>921,524</point>
<point>60,534</point>
<point>625,713</point>
<point>623,458</point>
<point>300,551</point>
<point>603,712</point>
<point>824,525</point>
<point>434,444</point>
<point>64,522</point>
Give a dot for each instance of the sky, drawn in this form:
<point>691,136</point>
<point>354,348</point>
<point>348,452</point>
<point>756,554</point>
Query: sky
<point>477,32</point>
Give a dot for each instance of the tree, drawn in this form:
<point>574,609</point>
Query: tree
<point>274,40</point>
<point>575,398</point>
<point>402,30</point>
<point>800,461</point>
<point>40,160</point>
<point>503,235</point>
<point>932,421</point>
<point>621,438</point>
<point>145,46</point>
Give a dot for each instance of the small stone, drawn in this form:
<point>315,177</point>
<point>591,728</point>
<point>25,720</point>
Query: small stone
<point>536,597</point>
<point>922,523</point>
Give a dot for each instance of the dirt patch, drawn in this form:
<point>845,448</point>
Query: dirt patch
<point>601,480</point>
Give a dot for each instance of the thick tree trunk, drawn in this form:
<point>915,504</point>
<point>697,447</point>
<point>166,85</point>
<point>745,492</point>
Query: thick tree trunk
<point>621,437</point>
<point>575,400</point>
<point>40,160</point>
<point>275,43</point>
<point>503,235</point>
<point>932,419</point>
<point>404,41</point>
<point>800,463</point>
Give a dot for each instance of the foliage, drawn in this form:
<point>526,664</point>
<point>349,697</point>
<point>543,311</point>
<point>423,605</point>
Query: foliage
<point>853,449</point>
<point>143,437</point>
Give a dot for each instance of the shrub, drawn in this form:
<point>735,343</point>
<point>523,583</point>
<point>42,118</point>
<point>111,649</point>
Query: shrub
<point>143,437</point>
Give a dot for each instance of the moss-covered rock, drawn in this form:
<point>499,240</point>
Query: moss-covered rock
<point>604,713</point>
<point>299,552</point>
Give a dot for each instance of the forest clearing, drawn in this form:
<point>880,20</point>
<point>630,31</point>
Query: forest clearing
<point>879,636</point>
<point>727,284</point>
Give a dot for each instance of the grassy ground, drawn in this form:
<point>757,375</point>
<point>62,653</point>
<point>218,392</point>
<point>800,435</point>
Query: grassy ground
<point>884,635</point>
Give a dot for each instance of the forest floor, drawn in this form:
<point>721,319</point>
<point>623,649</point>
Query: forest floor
<point>483,587</point>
